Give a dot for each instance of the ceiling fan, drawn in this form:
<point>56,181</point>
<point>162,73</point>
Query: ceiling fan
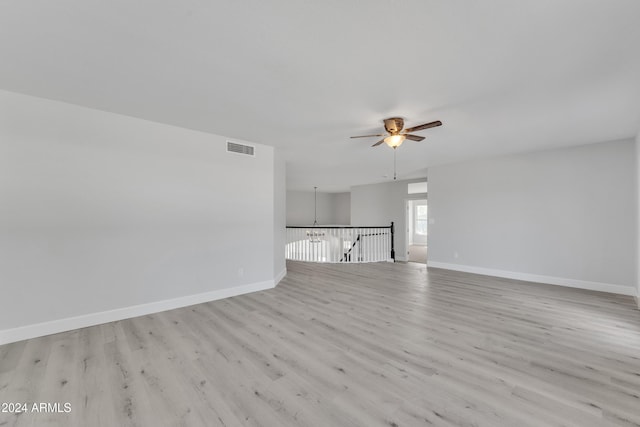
<point>396,135</point>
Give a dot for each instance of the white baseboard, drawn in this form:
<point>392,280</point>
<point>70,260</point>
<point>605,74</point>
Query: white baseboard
<point>71,323</point>
<point>280,276</point>
<point>550,280</point>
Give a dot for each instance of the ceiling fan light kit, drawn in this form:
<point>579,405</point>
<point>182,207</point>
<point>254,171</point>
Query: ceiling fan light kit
<point>396,135</point>
<point>394,141</point>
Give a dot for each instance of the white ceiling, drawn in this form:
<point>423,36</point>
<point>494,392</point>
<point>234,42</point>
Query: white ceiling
<point>502,75</point>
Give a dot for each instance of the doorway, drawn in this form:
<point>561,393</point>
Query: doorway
<point>417,231</point>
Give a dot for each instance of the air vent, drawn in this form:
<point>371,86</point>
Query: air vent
<point>234,147</point>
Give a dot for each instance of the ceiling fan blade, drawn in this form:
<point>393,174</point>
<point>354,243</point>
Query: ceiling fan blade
<point>378,143</point>
<point>394,125</point>
<point>366,136</point>
<point>414,137</point>
<point>424,126</point>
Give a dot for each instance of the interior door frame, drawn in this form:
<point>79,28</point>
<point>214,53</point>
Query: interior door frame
<point>408,205</point>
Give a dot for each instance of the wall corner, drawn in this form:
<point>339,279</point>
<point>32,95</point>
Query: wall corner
<point>637,213</point>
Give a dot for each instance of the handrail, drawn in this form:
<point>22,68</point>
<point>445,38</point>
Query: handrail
<point>348,253</point>
<point>338,226</point>
<point>338,243</point>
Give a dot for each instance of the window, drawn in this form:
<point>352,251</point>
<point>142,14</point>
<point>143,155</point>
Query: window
<point>421,220</point>
<point>417,187</point>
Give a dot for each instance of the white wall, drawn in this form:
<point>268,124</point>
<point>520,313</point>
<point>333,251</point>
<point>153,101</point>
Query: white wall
<point>280,216</point>
<point>564,216</point>
<point>100,212</point>
<point>379,204</point>
<point>342,208</point>
<point>332,208</point>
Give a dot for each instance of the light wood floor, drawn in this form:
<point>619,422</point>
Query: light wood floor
<point>347,345</point>
<point>417,253</point>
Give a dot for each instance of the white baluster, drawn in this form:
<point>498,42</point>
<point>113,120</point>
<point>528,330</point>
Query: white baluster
<point>374,250</point>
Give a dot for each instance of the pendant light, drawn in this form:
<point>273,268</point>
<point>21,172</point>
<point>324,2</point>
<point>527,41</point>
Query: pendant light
<point>315,206</point>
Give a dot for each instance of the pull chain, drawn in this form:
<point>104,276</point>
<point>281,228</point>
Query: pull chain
<point>394,163</point>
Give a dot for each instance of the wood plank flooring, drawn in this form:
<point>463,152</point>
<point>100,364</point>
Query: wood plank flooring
<point>417,253</point>
<point>346,345</point>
